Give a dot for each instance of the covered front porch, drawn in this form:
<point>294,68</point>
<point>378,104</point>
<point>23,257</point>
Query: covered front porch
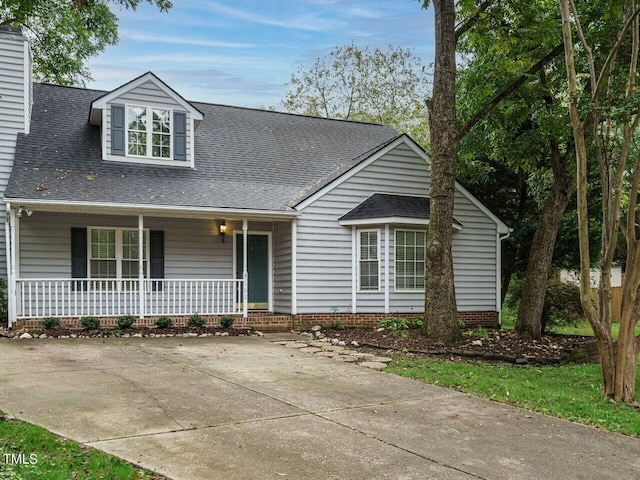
<point>71,261</point>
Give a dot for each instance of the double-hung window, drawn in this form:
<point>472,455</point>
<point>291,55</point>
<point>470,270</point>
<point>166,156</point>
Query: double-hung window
<point>369,260</point>
<point>410,254</point>
<point>148,132</point>
<point>114,253</point>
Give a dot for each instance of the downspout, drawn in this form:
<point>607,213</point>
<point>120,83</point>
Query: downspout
<point>7,235</point>
<point>386,269</point>
<point>141,265</point>
<point>294,267</point>
<point>245,271</point>
<point>499,273</point>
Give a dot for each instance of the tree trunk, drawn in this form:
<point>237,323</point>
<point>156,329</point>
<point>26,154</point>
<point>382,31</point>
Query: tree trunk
<point>529,320</point>
<point>441,315</point>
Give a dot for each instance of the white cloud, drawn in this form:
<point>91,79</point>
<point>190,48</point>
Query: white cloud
<point>143,37</point>
<point>308,22</point>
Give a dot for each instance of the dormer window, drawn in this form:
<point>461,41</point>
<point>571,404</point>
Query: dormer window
<point>144,143</point>
<point>144,121</point>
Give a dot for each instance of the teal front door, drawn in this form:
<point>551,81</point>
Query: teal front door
<point>258,268</point>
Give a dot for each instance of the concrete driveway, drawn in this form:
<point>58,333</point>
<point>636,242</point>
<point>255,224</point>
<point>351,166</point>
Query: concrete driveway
<point>247,408</point>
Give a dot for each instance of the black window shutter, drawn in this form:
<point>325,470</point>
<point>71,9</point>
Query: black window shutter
<point>117,130</point>
<point>156,266</point>
<point>179,136</point>
<point>79,257</point>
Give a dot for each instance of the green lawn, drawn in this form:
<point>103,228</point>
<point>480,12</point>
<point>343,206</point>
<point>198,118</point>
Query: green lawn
<point>572,392</point>
<point>39,454</point>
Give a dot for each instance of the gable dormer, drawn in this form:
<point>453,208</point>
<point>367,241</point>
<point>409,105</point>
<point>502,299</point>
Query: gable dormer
<point>145,121</point>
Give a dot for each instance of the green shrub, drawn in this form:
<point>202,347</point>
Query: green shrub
<point>4,305</point>
<point>50,322</point>
<point>480,332</point>
<point>196,321</point>
<point>90,323</point>
<point>125,321</point>
<point>164,322</point>
<point>395,324</point>
<point>562,305</point>
<point>227,321</point>
<point>416,323</point>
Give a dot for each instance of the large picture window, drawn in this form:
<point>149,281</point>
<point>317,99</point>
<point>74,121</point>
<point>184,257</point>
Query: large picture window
<point>114,253</point>
<point>368,260</point>
<point>148,132</point>
<point>411,246</point>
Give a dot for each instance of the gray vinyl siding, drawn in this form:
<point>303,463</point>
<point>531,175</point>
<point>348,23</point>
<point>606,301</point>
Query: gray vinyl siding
<point>282,267</point>
<point>325,247</point>
<point>147,95</point>
<point>193,247</point>
<point>14,67</point>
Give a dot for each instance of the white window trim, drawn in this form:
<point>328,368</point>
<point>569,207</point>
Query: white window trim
<point>118,258</point>
<point>359,259</point>
<point>149,109</point>
<point>395,260</point>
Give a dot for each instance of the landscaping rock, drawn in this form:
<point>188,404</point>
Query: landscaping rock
<point>382,359</point>
<point>258,333</point>
<point>311,349</point>
<point>43,335</point>
<point>25,336</point>
<point>374,365</point>
<point>316,328</point>
<point>477,343</point>
<point>355,344</point>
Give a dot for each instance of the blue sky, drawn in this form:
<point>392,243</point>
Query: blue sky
<point>244,52</point>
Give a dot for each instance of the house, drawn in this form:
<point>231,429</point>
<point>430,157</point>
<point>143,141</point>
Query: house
<point>137,201</point>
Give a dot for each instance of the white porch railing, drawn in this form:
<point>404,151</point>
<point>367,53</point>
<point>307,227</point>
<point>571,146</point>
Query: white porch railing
<point>40,298</point>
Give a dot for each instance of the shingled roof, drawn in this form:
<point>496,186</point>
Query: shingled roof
<point>383,205</point>
<point>244,158</point>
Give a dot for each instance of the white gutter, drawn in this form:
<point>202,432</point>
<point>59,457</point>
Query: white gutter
<point>147,209</point>
<point>499,272</point>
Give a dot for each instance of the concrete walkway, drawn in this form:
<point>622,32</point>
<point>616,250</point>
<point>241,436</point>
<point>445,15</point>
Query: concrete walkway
<point>248,408</point>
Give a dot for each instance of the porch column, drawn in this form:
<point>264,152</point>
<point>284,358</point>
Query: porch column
<point>245,272</point>
<point>141,264</point>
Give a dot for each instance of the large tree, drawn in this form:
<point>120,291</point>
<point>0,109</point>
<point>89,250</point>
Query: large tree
<point>526,133</point>
<point>377,85</point>
<point>64,34</point>
<point>440,310</point>
<point>604,106</point>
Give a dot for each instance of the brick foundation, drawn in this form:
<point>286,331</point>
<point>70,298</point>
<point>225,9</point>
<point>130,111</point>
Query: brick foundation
<point>308,320</point>
<point>273,322</point>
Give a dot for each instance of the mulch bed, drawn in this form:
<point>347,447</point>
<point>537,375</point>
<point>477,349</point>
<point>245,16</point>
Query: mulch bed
<point>498,345</point>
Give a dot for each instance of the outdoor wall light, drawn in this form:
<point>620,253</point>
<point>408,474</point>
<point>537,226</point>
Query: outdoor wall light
<point>223,230</point>
<point>22,210</point>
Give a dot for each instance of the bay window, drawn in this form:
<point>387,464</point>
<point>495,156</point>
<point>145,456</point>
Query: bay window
<point>410,254</point>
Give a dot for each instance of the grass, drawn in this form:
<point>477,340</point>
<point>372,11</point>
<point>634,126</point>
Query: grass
<point>572,392</point>
<point>47,456</point>
<point>509,314</point>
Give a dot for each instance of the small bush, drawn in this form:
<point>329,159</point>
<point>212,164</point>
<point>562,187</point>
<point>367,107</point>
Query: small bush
<point>562,305</point>
<point>164,322</point>
<point>227,321</point>
<point>125,321</point>
<point>480,332</point>
<point>338,325</point>
<point>395,324</point>
<point>90,323</point>
<point>416,323</point>
<point>50,323</point>
<point>196,321</point>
